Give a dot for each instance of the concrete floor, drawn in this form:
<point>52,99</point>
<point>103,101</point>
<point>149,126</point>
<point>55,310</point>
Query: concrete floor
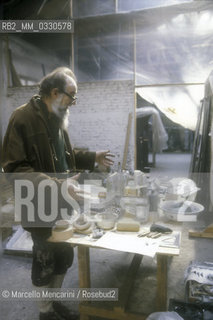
<point>108,268</point>
<point>171,164</point>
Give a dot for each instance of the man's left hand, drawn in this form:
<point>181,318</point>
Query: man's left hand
<point>103,158</point>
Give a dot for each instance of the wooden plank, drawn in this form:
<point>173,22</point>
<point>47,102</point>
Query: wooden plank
<point>169,251</point>
<point>161,282</point>
<point>200,234</point>
<point>72,64</point>
<point>9,82</point>
<point>207,233</point>
<point>125,289</point>
<point>84,316</point>
<point>83,267</point>
<point>99,311</point>
<point>127,141</point>
<point>169,84</point>
<point>83,274</point>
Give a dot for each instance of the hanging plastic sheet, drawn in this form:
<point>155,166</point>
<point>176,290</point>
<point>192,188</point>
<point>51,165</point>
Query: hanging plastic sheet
<point>100,7</point>
<point>160,136</point>
<point>174,48</point>
<point>177,50</point>
<point>173,43</point>
<point>104,49</point>
<point>166,43</point>
<point>178,103</point>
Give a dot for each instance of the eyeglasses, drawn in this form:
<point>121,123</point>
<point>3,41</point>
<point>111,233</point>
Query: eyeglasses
<point>72,98</point>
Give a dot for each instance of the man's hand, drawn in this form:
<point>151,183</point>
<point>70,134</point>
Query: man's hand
<point>74,189</point>
<point>103,158</point>
<point>76,193</point>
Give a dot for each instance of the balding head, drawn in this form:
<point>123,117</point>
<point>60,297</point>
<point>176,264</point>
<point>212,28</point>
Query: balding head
<point>58,78</point>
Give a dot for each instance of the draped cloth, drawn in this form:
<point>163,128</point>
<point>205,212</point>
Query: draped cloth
<point>160,136</point>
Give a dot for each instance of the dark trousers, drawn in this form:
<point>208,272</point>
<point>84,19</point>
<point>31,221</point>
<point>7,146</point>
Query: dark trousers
<point>49,259</point>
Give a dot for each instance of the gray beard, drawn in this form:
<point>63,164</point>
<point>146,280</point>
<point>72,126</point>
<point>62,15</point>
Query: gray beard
<point>62,114</point>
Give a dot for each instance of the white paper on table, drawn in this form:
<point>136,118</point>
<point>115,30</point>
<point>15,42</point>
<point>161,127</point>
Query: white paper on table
<point>128,243</point>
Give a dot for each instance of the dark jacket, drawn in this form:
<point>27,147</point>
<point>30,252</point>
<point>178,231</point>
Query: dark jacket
<point>28,147</point>
<point>28,144</point>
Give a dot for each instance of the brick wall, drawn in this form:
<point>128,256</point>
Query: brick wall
<point>98,121</point>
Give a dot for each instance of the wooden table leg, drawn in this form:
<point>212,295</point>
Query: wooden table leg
<point>83,272</point>
<point>83,267</point>
<point>162,282</point>
<point>125,290</point>
<point>84,316</point>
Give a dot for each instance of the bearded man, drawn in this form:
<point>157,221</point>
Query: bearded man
<point>36,142</point>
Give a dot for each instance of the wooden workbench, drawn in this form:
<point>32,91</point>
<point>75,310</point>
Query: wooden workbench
<point>119,311</point>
